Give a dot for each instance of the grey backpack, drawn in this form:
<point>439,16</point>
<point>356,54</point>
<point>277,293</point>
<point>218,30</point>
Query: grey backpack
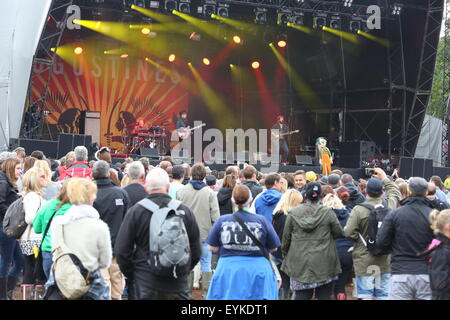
<point>170,254</point>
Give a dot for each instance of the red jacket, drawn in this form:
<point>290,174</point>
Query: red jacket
<point>79,169</point>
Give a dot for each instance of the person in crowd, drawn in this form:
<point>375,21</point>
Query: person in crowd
<point>80,168</point>
<point>225,194</point>
<point>325,190</point>
<point>114,177</point>
<point>371,287</point>
<point>334,180</point>
<point>310,176</point>
<point>203,202</point>
<point>441,192</point>
<point>146,163</point>
<point>165,165</point>
<point>132,245</point>
<point>343,245</point>
<point>288,201</point>
<point>34,181</point>
<point>356,197</point>
<point>310,256</point>
<point>362,186</point>
<point>440,262</point>
<point>323,181</point>
<point>52,189</point>
<point>403,187</point>
<point>135,189</point>
<point>28,163</point>
<point>178,173</point>
<point>187,173</point>
<point>290,181</point>
<point>104,153</point>
<point>338,172</point>
<point>447,181</point>
<point>436,203</point>
<point>267,201</point>
<point>112,203</point>
<point>409,280</point>
<point>249,175</point>
<point>54,168</point>
<point>234,171</point>
<point>86,235</point>
<point>283,185</point>
<point>11,257</point>
<point>211,182</point>
<point>38,154</point>
<point>234,279</point>
<point>54,207</point>
<point>21,154</point>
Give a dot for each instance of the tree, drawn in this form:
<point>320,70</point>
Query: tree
<point>436,107</point>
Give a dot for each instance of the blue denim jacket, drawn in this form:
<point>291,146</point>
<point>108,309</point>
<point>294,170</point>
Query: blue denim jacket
<point>98,290</point>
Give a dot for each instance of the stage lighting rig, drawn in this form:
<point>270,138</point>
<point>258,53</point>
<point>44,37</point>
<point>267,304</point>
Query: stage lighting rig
<point>298,18</point>
<point>396,9</point>
<point>335,22</point>
<point>140,3</point>
<point>261,15</point>
<point>319,20</point>
<point>184,6</point>
<point>355,24</point>
<point>348,3</point>
<point>209,7</point>
<point>222,10</point>
<point>154,4</point>
<point>170,5</point>
<point>284,17</point>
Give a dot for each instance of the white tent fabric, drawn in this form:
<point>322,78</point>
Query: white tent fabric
<point>429,145</point>
<point>20,30</point>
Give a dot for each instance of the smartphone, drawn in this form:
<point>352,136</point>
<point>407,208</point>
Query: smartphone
<point>370,171</point>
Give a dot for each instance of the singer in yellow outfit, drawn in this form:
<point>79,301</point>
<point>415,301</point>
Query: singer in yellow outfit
<point>326,160</point>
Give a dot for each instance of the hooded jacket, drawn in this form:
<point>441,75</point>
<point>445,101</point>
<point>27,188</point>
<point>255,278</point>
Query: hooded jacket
<point>254,187</point>
<point>224,197</point>
<point>278,222</point>
<point>8,194</point>
<point>308,246</point>
<point>356,197</point>
<point>266,203</point>
<point>404,246</point>
<point>440,269</point>
<point>79,169</point>
<point>343,244</point>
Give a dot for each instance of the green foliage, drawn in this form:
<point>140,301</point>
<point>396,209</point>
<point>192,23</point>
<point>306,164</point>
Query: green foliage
<point>436,107</point>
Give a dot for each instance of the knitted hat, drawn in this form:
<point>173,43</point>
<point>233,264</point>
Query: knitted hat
<point>374,186</point>
<point>333,179</point>
<point>311,176</point>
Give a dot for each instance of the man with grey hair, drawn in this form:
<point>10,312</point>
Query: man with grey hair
<point>133,243</point>
<point>135,188</point>
<point>406,232</point>
<point>80,168</point>
<point>111,203</point>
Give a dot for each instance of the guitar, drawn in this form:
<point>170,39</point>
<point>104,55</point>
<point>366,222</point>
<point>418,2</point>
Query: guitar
<point>277,136</point>
<point>184,133</point>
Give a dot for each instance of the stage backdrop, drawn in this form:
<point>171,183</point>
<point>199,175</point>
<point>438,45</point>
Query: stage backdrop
<point>123,90</point>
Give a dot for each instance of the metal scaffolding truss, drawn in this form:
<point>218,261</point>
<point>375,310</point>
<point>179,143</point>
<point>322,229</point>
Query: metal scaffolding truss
<point>446,86</point>
<point>50,38</point>
<point>422,90</point>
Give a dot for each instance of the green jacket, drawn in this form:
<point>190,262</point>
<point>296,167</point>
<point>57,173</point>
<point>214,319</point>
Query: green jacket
<point>308,244</point>
<point>43,217</point>
<point>365,263</point>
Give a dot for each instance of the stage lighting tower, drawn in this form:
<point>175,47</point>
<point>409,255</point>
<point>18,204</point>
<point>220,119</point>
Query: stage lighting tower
<point>170,5</point>
<point>261,15</point>
<point>184,6</point>
<point>335,23</point>
<point>284,17</point>
<point>298,19</point>
<point>396,9</point>
<point>348,3</point>
<point>209,7</point>
<point>355,25</point>
<point>222,10</point>
<point>319,20</point>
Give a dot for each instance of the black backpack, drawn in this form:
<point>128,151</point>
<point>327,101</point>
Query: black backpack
<point>14,224</point>
<point>376,217</point>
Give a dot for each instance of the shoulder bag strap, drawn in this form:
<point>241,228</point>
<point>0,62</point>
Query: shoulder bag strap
<point>156,221</point>
<point>47,228</point>
<point>252,236</point>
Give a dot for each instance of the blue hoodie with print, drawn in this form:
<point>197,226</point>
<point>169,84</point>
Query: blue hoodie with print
<point>267,202</point>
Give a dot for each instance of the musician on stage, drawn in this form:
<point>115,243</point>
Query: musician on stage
<point>182,124</point>
<point>283,146</point>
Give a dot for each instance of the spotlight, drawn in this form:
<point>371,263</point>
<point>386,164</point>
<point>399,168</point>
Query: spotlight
<point>348,3</point>
<point>124,55</point>
<point>396,9</point>
<point>140,3</point>
<point>281,43</point>
<point>53,49</point>
<point>184,6</point>
<point>255,65</point>
<point>195,36</point>
<point>172,58</point>
<point>231,65</point>
<point>170,5</point>
<point>222,10</point>
<point>284,17</point>
<point>237,39</point>
<point>261,15</point>
<point>335,23</point>
<point>298,19</point>
<point>319,21</point>
<point>206,61</point>
<point>209,8</point>
<point>154,4</point>
<point>145,31</point>
<point>78,50</point>
<point>355,25</point>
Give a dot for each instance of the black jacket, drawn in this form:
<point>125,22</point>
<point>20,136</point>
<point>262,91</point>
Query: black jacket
<point>437,204</point>
<point>111,203</point>
<point>136,192</point>
<point>8,194</point>
<point>356,197</point>
<point>278,222</point>
<point>224,198</point>
<point>406,232</point>
<point>440,269</point>
<point>119,172</point>
<point>254,187</point>
<point>132,248</point>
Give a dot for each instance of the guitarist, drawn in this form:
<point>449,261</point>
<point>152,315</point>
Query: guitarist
<point>284,149</point>
<point>182,124</point>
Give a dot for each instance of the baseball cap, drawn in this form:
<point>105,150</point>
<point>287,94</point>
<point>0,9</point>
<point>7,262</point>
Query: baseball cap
<point>333,179</point>
<point>374,185</point>
<point>210,180</point>
<point>323,181</point>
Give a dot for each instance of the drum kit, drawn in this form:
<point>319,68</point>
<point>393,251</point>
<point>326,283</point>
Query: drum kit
<point>147,137</point>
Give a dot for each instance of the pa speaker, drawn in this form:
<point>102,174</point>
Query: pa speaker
<point>406,167</point>
<point>48,147</point>
<point>68,142</point>
<point>149,152</point>
<point>304,160</point>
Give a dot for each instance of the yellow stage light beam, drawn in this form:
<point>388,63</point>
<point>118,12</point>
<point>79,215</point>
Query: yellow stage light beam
<point>247,27</point>
<point>381,41</point>
<point>161,17</point>
<point>301,87</point>
<point>205,26</point>
<point>176,27</point>
<point>301,28</point>
<point>344,35</point>
<point>214,102</point>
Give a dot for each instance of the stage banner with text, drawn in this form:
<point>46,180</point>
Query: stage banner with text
<point>124,91</point>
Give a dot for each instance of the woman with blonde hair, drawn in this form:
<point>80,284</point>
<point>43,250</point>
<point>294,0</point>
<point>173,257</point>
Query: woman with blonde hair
<point>11,261</point>
<point>52,188</point>
<point>343,245</point>
<point>85,235</point>
<point>284,185</point>
<point>34,181</point>
<point>290,199</point>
